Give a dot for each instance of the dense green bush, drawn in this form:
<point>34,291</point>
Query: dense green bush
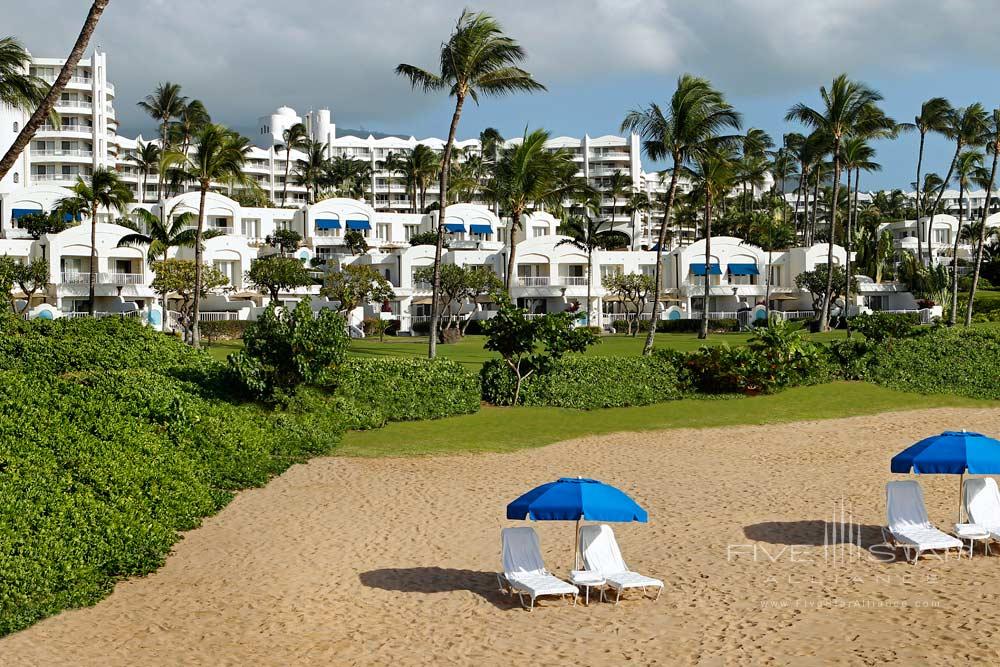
<point>223,329</point>
<point>287,348</point>
<point>879,327</point>
<point>586,382</point>
<point>399,389</point>
<point>694,326</point>
<point>953,361</point>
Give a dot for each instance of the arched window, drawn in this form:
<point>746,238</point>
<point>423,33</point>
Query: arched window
<point>16,126</point>
<point>17,176</point>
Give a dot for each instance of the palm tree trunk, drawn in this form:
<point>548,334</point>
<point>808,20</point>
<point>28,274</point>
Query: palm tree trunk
<point>45,108</point>
<point>442,207</point>
<point>920,164</point>
<point>815,211</point>
<point>515,222</point>
<point>657,273</point>
<point>284,189</point>
<point>798,197</point>
<point>92,278</point>
<point>953,313</point>
<point>824,318</point>
<point>164,314</point>
<point>590,273</point>
<point>703,330</point>
<point>142,195</point>
<point>937,201</point>
<point>982,240</point>
<point>851,214</point>
<point>196,305</point>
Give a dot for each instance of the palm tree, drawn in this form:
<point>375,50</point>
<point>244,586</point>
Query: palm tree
<point>783,167</point>
<point>478,59</point>
<point>163,105</point>
<point>637,202</point>
<point>48,101</point>
<point>529,175</point>
<point>105,190</point>
<point>490,143</point>
<point>968,169</point>
<point>686,130</point>
<point>714,174</point>
<point>856,156</point>
<point>618,186</point>
<point>147,161</point>
<point>849,107</point>
<point>933,117</point>
<point>159,238</point>
<point>309,172</point>
<point>18,90</point>
<point>218,156</point>
<point>585,233</point>
<point>422,165</point>
<point>966,126</point>
<point>394,163</point>
<point>992,147</point>
<point>756,143</point>
<point>293,138</point>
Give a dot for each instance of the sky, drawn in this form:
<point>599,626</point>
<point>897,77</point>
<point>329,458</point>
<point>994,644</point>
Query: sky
<point>598,59</point>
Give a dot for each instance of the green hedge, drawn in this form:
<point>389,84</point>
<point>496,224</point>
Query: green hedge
<point>406,389</point>
<point>943,361</point>
<point>587,383</point>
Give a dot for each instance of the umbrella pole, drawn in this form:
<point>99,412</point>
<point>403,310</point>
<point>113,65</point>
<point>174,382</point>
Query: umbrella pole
<point>576,546</point>
<point>961,476</point>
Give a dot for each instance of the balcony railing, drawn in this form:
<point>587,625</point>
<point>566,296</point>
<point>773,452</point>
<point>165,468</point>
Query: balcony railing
<point>221,230</point>
<point>66,127</point>
<point>102,278</point>
<point>75,104</point>
<point>572,281</point>
<point>102,314</point>
<point>533,281</point>
<point>217,316</point>
<point>55,152</point>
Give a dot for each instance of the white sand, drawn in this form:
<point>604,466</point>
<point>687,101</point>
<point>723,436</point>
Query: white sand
<point>352,561</point>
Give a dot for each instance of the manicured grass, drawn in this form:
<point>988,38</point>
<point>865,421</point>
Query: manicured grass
<point>223,348</point>
<point>506,429</point>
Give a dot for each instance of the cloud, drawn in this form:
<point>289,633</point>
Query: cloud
<point>246,57</point>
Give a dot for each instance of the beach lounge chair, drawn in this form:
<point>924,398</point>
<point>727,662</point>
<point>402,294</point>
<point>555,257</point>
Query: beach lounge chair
<point>601,555</point>
<point>908,525</point>
<point>524,572</point>
<point>982,504</point>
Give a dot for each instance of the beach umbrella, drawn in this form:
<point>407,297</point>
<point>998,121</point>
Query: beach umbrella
<point>576,499</point>
<point>951,453</point>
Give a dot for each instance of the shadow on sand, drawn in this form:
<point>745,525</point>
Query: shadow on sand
<point>440,580</point>
<point>813,532</point>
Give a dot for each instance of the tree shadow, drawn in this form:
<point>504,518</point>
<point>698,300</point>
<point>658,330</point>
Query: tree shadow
<point>429,580</point>
<point>814,532</point>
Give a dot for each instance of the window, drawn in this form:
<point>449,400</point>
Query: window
<point>876,302</point>
<point>539,231</point>
<point>383,231</point>
<point>16,177</point>
<point>16,126</point>
<point>409,231</point>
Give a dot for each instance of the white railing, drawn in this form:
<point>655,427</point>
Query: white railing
<point>67,127</point>
<point>75,152</point>
<point>102,314</point>
<point>532,316</point>
<point>533,281</point>
<point>102,278</point>
<point>793,314</point>
<point>76,104</point>
<point>224,230</point>
<point>714,315</point>
<point>571,281</point>
<point>217,316</point>
<point>54,177</point>
<point>416,319</point>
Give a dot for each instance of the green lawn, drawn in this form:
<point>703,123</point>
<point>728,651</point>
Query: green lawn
<point>506,429</point>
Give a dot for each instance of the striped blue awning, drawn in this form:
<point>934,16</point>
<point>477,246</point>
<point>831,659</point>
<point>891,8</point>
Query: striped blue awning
<point>18,213</point>
<point>481,229</point>
<point>327,223</point>
<point>699,269</point>
<point>743,270</point>
<point>359,224</point>
<point>454,227</point>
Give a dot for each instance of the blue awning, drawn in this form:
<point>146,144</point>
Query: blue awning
<point>18,213</point>
<point>69,217</point>
<point>743,270</point>
<point>327,223</point>
<point>454,227</point>
<point>699,269</point>
<point>481,229</point>
<point>359,224</point>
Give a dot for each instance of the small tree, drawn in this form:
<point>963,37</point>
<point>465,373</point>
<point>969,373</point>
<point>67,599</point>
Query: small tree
<point>285,240</point>
<point>274,274</point>
<point>39,224</point>
<point>480,281</point>
<point>177,276</point>
<point>355,286</point>
<point>518,340</point>
<point>32,277</point>
<point>634,290</point>
<point>816,283</point>
<point>9,270</point>
<point>355,242</point>
<point>425,238</point>
<point>286,348</point>
<point>458,285</point>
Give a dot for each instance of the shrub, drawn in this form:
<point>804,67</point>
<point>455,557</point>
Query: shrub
<point>407,389</point>
<point>694,326</point>
<point>421,328</point>
<point>287,348</point>
<point>879,327</point>
<point>223,329</point>
<point>955,361</point>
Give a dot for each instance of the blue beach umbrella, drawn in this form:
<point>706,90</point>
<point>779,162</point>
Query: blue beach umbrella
<point>951,453</point>
<point>575,499</point>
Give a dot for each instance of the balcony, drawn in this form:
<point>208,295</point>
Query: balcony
<point>533,281</point>
<point>55,152</point>
<point>103,278</point>
<point>573,281</point>
<point>74,104</point>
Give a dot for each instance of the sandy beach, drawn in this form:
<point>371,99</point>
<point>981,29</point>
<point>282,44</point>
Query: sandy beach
<point>392,561</point>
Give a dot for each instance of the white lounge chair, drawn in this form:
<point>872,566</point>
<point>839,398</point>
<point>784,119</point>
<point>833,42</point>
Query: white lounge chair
<point>524,570</point>
<point>981,498</point>
<point>908,525</point>
<point>601,555</point>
